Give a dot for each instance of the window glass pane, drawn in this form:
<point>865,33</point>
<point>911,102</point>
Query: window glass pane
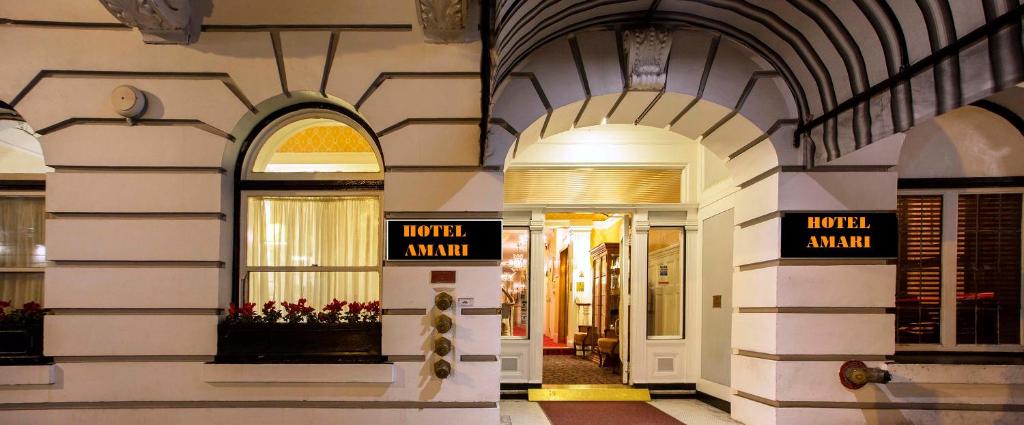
<point>316,145</point>
<point>20,288</point>
<point>313,231</point>
<point>988,270</point>
<point>318,288</point>
<point>919,270</point>
<point>515,282</point>
<point>665,282</point>
<point>22,232</point>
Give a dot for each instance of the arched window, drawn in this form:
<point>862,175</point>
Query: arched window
<point>310,222</point>
<point>313,145</point>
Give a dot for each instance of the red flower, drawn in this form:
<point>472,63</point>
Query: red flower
<point>32,307</point>
<point>30,312</point>
<point>332,311</point>
<point>295,312</point>
<point>270,312</point>
<point>335,306</point>
<point>373,311</point>
<point>355,308</point>
<point>373,307</point>
<point>245,314</point>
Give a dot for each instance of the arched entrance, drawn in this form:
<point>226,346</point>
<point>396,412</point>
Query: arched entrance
<point>736,106</point>
<point>623,205</point>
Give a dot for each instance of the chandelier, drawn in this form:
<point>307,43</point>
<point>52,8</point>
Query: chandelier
<point>518,262</point>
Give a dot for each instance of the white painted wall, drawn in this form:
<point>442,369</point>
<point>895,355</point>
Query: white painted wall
<point>967,142</point>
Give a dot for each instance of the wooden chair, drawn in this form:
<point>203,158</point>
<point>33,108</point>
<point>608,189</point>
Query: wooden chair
<point>584,340</point>
<point>607,347</point>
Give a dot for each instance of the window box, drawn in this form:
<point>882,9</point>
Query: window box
<point>21,343</point>
<point>299,342</point>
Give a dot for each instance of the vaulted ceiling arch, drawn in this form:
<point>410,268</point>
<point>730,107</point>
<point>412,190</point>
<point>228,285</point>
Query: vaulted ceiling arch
<point>714,90</point>
<point>858,70</point>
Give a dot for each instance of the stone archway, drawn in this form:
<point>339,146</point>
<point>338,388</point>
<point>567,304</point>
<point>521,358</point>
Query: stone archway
<point>794,321</point>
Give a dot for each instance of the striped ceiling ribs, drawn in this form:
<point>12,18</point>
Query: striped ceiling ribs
<point>848,68</point>
<point>1008,69</point>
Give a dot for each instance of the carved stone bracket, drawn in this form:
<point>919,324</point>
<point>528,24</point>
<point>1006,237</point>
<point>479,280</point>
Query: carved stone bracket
<point>443,21</point>
<point>159,21</point>
<point>646,51</point>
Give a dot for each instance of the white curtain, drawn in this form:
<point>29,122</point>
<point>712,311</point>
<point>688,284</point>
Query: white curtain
<point>22,235</point>
<point>20,288</point>
<point>324,231</point>
<point>22,231</point>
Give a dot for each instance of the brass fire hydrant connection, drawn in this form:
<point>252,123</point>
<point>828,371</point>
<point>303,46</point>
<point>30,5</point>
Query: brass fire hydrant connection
<point>442,325</point>
<point>443,301</point>
<point>855,375</point>
<point>442,369</point>
<point>442,346</point>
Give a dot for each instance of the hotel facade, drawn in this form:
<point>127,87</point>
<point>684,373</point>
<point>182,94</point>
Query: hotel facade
<point>399,211</point>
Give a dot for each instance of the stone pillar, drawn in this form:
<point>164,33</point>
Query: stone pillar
<point>637,287</point>
<point>796,321</point>
<point>537,288</point>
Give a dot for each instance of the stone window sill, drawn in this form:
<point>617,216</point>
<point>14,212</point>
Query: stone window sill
<point>27,375</point>
<point>249,373</point>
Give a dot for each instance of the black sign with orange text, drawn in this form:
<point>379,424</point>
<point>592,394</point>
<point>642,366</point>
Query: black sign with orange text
<point>839,234</point>
<point>450,240</point>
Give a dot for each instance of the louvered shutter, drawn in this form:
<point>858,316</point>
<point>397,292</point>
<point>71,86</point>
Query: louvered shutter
<point>988,269</point>
<point>919,270</point>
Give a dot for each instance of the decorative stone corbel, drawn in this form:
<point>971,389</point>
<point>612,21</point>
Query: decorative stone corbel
<point>646,57</point>
<point>443,21</point>
<point>159,21</point>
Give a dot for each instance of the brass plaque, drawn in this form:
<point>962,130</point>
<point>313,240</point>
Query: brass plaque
<point>716,301</point>
<point>442,276</point>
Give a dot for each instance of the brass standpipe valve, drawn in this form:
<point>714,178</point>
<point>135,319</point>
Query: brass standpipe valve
<point>442,369</point>
<point>855,375</point>
<point>442,346</point>
<point>442,324</point>
<point>443,301</point>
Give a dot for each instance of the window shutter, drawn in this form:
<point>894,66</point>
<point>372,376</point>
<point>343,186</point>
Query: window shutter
<point>988,269</point>
<point>919,270</point>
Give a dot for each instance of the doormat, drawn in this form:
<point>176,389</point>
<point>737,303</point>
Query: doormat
<point>605,413</point>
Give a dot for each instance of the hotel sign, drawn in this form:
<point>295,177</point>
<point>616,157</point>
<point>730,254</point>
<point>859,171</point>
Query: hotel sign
<point>839,234</point>
<point>450,240</point>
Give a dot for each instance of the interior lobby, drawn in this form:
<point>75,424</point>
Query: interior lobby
<point>549,212</point>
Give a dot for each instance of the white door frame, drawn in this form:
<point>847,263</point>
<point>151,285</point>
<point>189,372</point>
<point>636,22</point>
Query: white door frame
<point>529,352</point>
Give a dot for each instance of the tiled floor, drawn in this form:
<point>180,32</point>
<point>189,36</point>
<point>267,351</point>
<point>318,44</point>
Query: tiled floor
<point>688,411</point>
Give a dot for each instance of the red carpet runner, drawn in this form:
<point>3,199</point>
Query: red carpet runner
<point>552,347</point>
<point>605,413</point>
